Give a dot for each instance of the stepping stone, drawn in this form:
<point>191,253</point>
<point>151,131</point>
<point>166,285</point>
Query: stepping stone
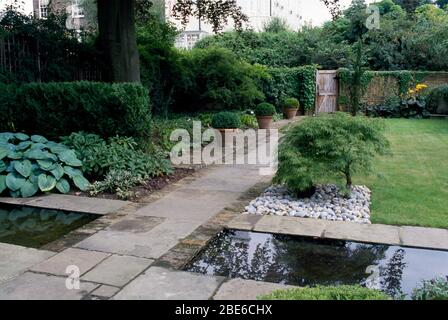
<point>34,286</point>
<point>15,260</point>
<point>291,226</point>
<point>374,233</point>
<point>83,259</point>
<point>239,289</point>
<point>164,284</point>
<point>105,291</point>
<point>117,270</point>
<point>151,244</point>
<point>430,238</point>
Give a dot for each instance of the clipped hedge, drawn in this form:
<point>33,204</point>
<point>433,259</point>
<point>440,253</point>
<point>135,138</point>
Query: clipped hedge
<point>298,82</point>
<point>58,109</point>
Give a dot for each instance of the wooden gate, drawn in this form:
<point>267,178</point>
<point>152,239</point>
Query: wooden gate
<point>326,91</point>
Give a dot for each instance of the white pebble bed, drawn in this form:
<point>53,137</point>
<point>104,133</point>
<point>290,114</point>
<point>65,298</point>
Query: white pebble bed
<point>327,204</point>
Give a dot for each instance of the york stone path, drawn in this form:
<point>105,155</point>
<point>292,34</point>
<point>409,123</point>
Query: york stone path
<point>125,259</point>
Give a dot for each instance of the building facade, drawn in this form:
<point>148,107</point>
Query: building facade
<point>259,12</point>
<point>73,8</point>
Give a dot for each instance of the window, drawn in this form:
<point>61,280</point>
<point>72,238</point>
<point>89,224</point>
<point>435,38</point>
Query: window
<point>43,8</point>
<point>77,9</point>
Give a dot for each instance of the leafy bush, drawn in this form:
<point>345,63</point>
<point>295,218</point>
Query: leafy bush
<point>435,95</point>
<point>291,103</point>
<point>119,182</point>
<point>226,120</point>
<point>29,164</point>
<point>57,109</point>
<point>265,110</point>
<point>329,146</point>
<point>436,289</point>
<point>118,153</point>
<point>327,293</point>
<point>220,81</point>
<point>248,121</point>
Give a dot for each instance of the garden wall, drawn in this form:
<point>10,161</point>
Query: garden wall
<point>380,85</point>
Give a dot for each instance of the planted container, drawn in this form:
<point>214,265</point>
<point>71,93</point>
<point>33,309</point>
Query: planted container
<point>290,107</point>
<point>265,113</point>
<point>226,123</point>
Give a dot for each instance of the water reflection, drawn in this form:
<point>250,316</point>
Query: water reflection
<point>303,261</point>
<point>34,227</point>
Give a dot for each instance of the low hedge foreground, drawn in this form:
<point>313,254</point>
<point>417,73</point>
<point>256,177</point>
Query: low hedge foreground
<point>58,109</point>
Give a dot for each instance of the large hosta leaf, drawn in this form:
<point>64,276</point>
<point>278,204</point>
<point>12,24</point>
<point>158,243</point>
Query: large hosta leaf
<point>58,148</point>
<point>14,181</point>
<point>63,186</point>
<point>14,155</point>
<point>29,189</point>
<point>22,136</point>
<point>46,164</point>
<point>38,145</point>
<point>23,167</point>
<point>46,182</point>
<point>71,172</point>
<point>23,145</point>
<point>4,151</point>
<point>69,157</point>
<point>38,139</point>
<point>82,183</point>
<point>58,172</point>
<point>3,166</point>
<point>35,154</point>
<point>2,183</point>
<point>7,136</point>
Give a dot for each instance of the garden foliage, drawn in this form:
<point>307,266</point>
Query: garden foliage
<point>226,120</point>
<point>265,109</point>
<point>29,165</point>
<point>435,289</point>
<point>329,147</point>
<point>58,109</point>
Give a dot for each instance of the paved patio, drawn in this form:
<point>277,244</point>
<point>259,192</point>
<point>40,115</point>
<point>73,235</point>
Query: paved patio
<point>139,251</point>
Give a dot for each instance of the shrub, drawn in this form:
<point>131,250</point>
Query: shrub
<point>119,182</point>
<point>329,146</point>
<point>327,293</point>
<point>118,153</point>
<point>265,110</point>
<point>57,109</point>
<point>29,164</point>
<point>436,289</point>
<point>291,103</point>
<point>226,120</point>
<point>248,121</point>
<point>435,95</point>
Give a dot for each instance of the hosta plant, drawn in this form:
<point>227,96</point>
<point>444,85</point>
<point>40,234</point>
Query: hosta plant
<point>29,165</point>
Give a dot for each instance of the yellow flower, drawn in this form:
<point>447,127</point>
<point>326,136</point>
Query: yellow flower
<point>421,87</point>
<point>411,91</point>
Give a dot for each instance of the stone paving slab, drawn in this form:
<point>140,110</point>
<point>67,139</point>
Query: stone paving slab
<point>117,270</point>
<point>363,233</point>
<point>191,204</point>
<point>424,237</point>
<point>164,284</point>
<point>35,286</point>
<point>83,259</point>
<point>291,226</point>
<point>244,222</point>
<point>105,291</point>
<point>151,244</point>
<point>15,260</point>
<point>241,290</point>
<point>70,203</point>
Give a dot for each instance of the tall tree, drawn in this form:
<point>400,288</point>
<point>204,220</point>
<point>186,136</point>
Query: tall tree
<point>411,5</point>
<point>334,6</point>
<point>117,36</point>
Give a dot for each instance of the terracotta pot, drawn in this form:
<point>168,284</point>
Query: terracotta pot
<point>230,132</point>
<point>264,122</point>
<point>290,113</point>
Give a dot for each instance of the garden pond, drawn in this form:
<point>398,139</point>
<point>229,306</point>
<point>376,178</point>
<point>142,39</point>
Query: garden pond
<point>308,262</point>
<point>35,227</point>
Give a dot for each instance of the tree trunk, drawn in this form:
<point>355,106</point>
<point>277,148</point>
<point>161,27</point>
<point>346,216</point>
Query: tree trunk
<point>117,40</point>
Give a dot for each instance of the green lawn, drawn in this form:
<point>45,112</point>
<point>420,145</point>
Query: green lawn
<point>411,187</point>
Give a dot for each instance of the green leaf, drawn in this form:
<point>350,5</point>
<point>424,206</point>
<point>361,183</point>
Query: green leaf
<point>71,172</point>
<point>63,186</point>
<point>58,172</point>
<point>35,154</point>
<point>38,139</point>
<point>38,145</point>
<point>3,166</point>
<point>23,145</point>
<point>82,183</point>
<point>2,183</point>
<point>51,156</point>
<point>15,155</point>
<point>14,194</point>
<point>6,136</point>
<point>69,157</point>
<point>29,189</point>
<point>14,181</point>
<point>58,148</point>
<point>4,151</point>
<point>23,167</point>
<point>46,182</point>
<point>22,136</point>
<point>46,164</point>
